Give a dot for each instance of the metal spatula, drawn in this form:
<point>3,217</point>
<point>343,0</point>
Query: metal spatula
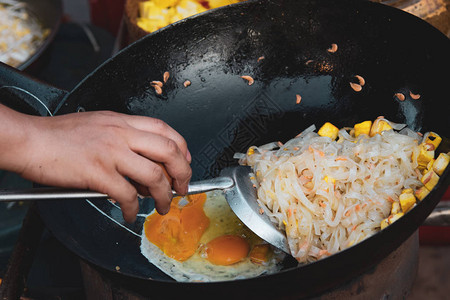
<point>234,181</point>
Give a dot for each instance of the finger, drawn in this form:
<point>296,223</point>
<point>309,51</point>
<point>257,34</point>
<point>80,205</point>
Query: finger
<point>141,189</point>
<point>166,151</point>
<point>148,174</point>
<point>123,192</point>
<point>159,127</point>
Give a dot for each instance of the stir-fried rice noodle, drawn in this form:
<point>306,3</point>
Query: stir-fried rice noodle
<point>328,195</point>
<point>20,33</point>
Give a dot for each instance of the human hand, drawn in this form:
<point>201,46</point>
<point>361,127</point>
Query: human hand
<point>96,150</point>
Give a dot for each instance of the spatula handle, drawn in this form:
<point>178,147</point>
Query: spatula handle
<point>218,183</point>
<point>47,193</point>
<point>51,193</point>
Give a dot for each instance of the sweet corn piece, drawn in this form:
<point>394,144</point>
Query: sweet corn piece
<point>362,128</point>
<point>187,8</point>
<point>432,138</point>
<point>421,193</point>
<point>219,3</point>
<point>393,218</point>
<point>384,223</point>
<point>148,8</point>
<point>329,179</point>
<point>329,130</point>
<point>407,191</point>
<point>430,164</point>
<point>395,209</point>
<point>430,179</point>
<point>441,163</point>
<point>164,3</point>
<point>151,25</point>
<point>156,14</point>
<point>425,156</point>
<point>379,126</point>
<point>407,201</point>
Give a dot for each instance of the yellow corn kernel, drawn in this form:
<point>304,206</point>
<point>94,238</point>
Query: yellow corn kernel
<point>176,17</point>
<point>433,139</point>
<point>393,218</point>
<point>379,126</point>
<point>219,3</point>
<point>329,130</point>
<point>421,193</point>
<point>441,163</point>
<point>430,179</point>
<point>430,164</point>
<point>329,178</point>
<point>407,201</point>
<point>424,157</point>
<point>384,223</point>
<point>395,209</point>
<point>146,8</point>
<point>362,128</point>
<point>146,24</point>
<point>187,8</point>
<point>164,3</point>
<point>407,191</point>
<point>250,151</point>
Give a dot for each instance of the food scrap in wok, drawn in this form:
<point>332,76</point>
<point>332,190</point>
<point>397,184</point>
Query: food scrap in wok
<point>414,96</point>
<point>400,96</point>
<point>249,79</point>
<point>158,85</point>
<point>333,48</point>
<point>332,189</point>
<point>357,87</point>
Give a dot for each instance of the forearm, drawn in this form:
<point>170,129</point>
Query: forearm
<point>15,132</point>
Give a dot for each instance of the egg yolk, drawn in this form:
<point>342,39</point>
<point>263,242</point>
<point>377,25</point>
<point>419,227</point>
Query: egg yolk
<point>227,250</point>
<point>178,232</point>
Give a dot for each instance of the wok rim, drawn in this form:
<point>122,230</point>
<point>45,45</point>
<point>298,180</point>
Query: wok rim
<point>390,228</point>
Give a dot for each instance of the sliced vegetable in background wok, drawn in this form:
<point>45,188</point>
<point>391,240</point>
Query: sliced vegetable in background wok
<point>219,114</point>
<point>29,27</point>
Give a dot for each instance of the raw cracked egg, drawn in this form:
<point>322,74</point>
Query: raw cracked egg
<point>201,239</point>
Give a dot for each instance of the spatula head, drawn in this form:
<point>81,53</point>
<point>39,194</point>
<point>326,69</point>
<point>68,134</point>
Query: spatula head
<point>242,200</point>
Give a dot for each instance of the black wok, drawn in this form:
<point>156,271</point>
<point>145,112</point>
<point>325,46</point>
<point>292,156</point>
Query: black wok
<point>220,114</point>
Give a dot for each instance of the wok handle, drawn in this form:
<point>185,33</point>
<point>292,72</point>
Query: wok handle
<point>52,193</point>
<point>26,94</point>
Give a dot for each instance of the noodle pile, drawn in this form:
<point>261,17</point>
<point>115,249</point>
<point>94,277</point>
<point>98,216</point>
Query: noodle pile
<point>328,195</point>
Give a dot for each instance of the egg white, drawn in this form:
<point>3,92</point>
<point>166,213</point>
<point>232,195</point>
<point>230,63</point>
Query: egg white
<point>222,221</point>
